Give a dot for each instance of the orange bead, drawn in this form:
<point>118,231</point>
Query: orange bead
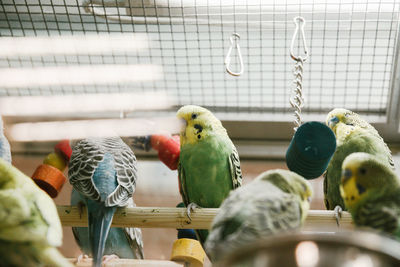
<point>49,178</point>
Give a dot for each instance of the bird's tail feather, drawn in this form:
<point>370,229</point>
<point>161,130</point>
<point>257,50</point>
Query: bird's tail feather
<point>202,236</point>
<point>100,218</point>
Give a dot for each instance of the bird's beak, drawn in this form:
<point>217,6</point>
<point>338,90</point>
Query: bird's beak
<point>346,175</point>
<point>332,122</point>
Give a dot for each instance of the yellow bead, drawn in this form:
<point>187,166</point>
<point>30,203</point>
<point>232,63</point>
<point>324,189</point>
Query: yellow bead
<point>55,160</point>
<point>188,250</point>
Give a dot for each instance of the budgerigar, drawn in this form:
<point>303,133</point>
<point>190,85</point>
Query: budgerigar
<point>276,201</point>
<point>5,152</point>
<point>353,134</point>
<point>126,243</point>
<point>371,193</point>
<point>103,170</point>
<point>30,228</point>
<point>209,166</point>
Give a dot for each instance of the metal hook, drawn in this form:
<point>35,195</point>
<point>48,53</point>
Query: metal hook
<point>300,22</point>
<point>235,37</point>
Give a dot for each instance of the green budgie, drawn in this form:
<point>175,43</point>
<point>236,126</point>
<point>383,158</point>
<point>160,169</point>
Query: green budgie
<point>29,225</point>
<point>371,192</point>
<point>353,134</point>
<point>276,201</point>
<point>209,166</point>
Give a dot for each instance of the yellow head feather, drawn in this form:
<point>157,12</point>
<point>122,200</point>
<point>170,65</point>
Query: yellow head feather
<point>364,175</point>
<point>343,122</point>
<point>199,123</point>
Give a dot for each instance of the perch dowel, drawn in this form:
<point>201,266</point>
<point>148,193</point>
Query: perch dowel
<point>157,217</point>
<point>130,263</point>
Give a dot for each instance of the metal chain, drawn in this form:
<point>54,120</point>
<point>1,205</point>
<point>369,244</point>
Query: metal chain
<point>297,99</point>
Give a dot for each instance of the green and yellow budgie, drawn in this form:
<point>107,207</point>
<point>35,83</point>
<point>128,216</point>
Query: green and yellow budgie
<point>29,225</point>
<point>276,201</point>
<point>353,134</point>
<point>209,166</point>
<point>371,193</point>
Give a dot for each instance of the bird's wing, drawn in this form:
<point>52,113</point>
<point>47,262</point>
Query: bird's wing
<point>126,168</point>
<point>134,237</point>
<point>49,213</point>
<point>236,172</point>
<point>381,217</point>
<point>182,184</point>
<point>325,175</point>
<point>285,214</point>
<point>85,158</point>
<point>5,152</point>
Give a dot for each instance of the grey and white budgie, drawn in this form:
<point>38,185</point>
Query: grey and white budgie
<point>276,201</point>
<point>103,171</point>
<point>5,152</point>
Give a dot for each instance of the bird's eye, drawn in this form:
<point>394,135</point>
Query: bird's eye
<point>194,116</point>
<point>363,171</point>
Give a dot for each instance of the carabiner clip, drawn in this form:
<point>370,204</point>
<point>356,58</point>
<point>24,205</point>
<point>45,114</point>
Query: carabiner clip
<point>300,22</point>
<point>234,40</point>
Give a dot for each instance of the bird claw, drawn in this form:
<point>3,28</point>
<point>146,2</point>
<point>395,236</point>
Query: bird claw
<point>338,214</point>
<point>108,258</point>
<point>81,258</point>
<point>191,207</point>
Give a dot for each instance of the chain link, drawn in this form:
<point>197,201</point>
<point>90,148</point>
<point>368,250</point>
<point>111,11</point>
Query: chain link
<point>297,99</point>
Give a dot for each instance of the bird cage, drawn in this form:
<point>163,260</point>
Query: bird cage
<point>152,56</point>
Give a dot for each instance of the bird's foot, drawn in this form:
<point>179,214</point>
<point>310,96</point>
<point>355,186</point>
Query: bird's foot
<point>81,258</point>
<point>108,258</point>
<point>191,207</point>
<point>338,214</point>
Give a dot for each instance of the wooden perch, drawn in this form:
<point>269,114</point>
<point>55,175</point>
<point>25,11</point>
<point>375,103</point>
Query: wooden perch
<point>130,263</point>
<point>155,217</point>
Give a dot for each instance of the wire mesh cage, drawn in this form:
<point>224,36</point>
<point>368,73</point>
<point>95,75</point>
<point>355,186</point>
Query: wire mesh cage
<point>352,48</point>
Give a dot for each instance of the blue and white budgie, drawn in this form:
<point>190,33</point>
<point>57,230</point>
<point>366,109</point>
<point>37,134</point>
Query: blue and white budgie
<point>126,243</point>
<point>103,170</point>
<point>5,152</point>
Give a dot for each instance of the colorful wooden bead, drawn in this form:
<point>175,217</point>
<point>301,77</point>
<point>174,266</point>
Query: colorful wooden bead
<point>168,148</point>
<point>64,148</point>
<point>49,178</point>
<point>189,251</point>
<point>55,160</point>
